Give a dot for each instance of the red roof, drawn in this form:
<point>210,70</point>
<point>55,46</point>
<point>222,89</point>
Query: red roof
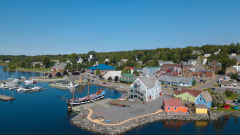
<point>129,67</point>
<point>173,102</point>
<point>195,93</point>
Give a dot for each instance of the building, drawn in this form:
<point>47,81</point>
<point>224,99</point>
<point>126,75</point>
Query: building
<point>186,81</point>
<point>173,105</point>
<point>230,70</point>
<point>200,108</point>
<point>234,56</point>
<point>196,52</point>
<point>204,61</point>
<point>112,74</point>
<point>192,62</point>
<point>237,68</point>
<point>230,84</point>
<point>217,52</point>
<point>79,60</point>
<point>215,66</point>
<point>102,67</point>
<point>148,71</point>
<point>186,65</point>
<point>130,69</point>
<point>165,62</point>
<point>139,70</point>
<point>202,74</point>
<point>144,89</point>
<point>127,78</point>
<point>204,98</point>
<point>170,80</point>
<point>187,73</point>
<point>122,61</point>
<point>59,67</point>
<point>107,60</point>
<point>224,78</point>
<point>207,55</point>
<point>178,66</point>
<point>187,94</point>
<point>171,71</point>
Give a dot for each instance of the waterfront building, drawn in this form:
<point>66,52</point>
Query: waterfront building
<point>127,78</point>
<point>59,67</point>
<point>171,71</point>
<point>148,71</point>
<point>102,67</point>
<point>187,94</point>
<point>112,74</point>
<point>144,89</point>
<point>204,98</point>
<point>201,108</point>
<point>174,105</point>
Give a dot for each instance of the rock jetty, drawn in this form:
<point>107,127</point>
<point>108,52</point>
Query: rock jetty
<point>82,122</point>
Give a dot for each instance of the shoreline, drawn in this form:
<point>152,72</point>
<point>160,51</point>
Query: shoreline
<point>25,70</point>
<point>82,121</point>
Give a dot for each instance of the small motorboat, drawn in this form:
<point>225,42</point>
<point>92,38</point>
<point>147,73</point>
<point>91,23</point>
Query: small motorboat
<point>36,88</point>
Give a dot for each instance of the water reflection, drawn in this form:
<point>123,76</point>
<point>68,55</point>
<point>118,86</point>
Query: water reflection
<point>173,124</point>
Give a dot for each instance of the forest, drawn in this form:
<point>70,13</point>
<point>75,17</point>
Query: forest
<point>149,57</point>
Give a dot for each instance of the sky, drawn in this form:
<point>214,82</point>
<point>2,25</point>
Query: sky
<point>38,27</point>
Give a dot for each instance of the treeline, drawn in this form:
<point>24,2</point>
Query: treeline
<point>149,57</point>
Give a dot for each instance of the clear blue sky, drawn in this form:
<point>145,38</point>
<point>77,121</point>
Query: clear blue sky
<point>33,27</point>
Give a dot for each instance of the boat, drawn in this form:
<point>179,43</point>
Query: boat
<point>23,88</point>
<point>23,77</point>
<point>36,88</point>
<point>71,85</point>
<point>16,80</point>
<point>84,100</point>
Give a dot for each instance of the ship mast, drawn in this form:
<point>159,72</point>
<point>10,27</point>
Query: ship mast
<point>73,91</point>
<point>88,89</point>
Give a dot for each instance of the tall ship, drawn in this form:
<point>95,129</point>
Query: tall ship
<point>84,100</point>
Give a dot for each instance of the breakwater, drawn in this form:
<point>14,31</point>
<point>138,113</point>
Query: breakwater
<point>82,122</point>
<point>115,87</point>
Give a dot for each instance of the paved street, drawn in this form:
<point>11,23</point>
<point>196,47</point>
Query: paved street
<point>199,64</point>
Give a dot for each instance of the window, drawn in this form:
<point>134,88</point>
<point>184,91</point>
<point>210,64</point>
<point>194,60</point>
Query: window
<point>187,97</point>
<point>175,108</point>
<point>168,108</point>
<point>200,98</point>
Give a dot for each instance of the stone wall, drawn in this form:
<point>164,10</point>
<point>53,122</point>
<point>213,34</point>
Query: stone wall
<point>82,122</point>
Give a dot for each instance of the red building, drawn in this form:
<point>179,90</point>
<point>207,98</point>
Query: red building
<point>173,105</point>
<point>171,71</point>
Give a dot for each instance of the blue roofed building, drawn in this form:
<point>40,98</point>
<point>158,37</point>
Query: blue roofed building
<point>102,67</point>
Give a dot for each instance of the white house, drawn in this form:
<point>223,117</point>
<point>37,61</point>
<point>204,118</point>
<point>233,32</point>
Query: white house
<point>107,60</point>
<point>237,68</point>
<point>217,52</point>
<point>144,89</point>
<point>204,61</point>
<point>80,60</point>
<point>192,62</point>
<point>112,74</point>
<point>207,55</point>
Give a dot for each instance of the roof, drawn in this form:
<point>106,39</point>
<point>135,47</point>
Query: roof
<point>165,62</point>
<point>195,93</point>
<point>127,75</point>
<point>129,68</point>
<point>62,65</point>
<point>113,73</point>
<point>169,78</point>
<point>207,97</point>
<point>236,57</point>
<point>101,67</point>
<point>186,63</point>
<point>185,79</point>
<point>228,82</point>
<point>148,81</point>
<point>155,67</point>
<point>173,102</point>
<point>161,70</point>
<point>172,65</point>
<point>218,63</point>
<point>201,106</point>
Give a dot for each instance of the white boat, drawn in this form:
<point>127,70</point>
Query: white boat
<point>28,81</point>
<point>16,80</point>
<point>23,77</point>
<point>13,88</point>
<point>71,85</point>
<point>36,88</point>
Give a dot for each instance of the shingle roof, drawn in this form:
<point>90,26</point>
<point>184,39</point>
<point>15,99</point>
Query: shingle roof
<point>128,75</point>
<point>173,102</point>
<point>236,57</point>
<point>169,78</point>
<point>185,79</point>
<point>195,93</point>
<point>172,65</point>
<point>101,67</point>
<point>201,106</point>
<point>148,81</point>
<point>207,97</point>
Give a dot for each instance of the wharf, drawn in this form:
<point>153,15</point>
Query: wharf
<point>63,86</point>
<point>6,98</point>
<point>100,103</point>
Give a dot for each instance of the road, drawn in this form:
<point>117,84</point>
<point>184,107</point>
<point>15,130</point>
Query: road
<point>199,64</point>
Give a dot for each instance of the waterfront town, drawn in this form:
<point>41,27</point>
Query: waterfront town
<point>194,89</point>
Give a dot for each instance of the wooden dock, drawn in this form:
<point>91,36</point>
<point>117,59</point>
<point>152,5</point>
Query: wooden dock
<point>6,98</point>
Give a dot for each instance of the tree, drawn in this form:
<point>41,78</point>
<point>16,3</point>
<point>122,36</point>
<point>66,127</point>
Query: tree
<point>98,71</point>
<point>50,75</point>
<point>116,78</point>
<point>37,65</point>
<point>234,76</point>
<point>109,78</point>
<point>100,76</point>
<point>128,71</point>
<point>136,73</point>
<point>194,82</point>
<point>4,67</point>
<point>218,98</point>
<point>68,66</point>
<point>58,74</point>
<point>12,67</point>
<point>46,61</point>
<point>228,93</point>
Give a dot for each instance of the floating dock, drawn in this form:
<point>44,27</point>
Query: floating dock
<point>6,98</point>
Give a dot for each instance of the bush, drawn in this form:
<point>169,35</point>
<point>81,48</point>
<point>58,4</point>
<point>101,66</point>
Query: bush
<point>4,67</point>
<point>228,93</point>
<point>12,67</point>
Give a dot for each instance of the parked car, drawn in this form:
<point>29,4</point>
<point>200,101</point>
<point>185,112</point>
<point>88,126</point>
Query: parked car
<point>233,91</point>
<point>104,83</point>
<point>94,77</point>
<point>237,92</point>
<point>166,86</point>
<point>213,88</point>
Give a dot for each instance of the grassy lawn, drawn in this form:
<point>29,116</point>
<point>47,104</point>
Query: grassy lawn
<point>233,96</point>
<point>34,69</point>
<point>216,85</point>
<point>193,86</point>
<point>222,109</point>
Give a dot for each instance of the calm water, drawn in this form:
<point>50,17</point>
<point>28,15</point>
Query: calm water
<point>44,113</point>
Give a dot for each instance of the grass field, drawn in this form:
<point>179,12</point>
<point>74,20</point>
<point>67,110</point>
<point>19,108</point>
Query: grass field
<point>222,109</point>
<point>34,69</point>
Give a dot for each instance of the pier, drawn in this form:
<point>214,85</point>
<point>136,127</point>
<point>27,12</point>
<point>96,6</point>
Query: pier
<point>6,98</point>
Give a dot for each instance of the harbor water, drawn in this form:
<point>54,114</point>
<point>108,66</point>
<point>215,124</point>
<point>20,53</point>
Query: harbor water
<point>44,113</point>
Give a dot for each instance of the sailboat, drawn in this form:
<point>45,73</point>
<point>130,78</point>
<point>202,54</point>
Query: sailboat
<point>84,100</point>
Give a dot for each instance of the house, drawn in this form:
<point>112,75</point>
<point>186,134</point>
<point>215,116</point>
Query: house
<point>112,74</point>
<point>40,63</point>
<point>59,67</point>
<point>178,66</point>
<point>148,71</point>
<point>192,62</point>
<point>102,67</point>
<point>140,62</point>
<point>186,81</point>
<point>187,94</point>
<point>196,52</point>
<point>204,61</point>
<point>234,56</point>
<point>207,55</point>
<point>186,65</point>
<point>139,70</point>
<point>79,60</point>
<point>230,70</point>
<point>170,80</point>
<point>127,78</point>
<point>171,71</point>
<point>217,52</point>
<point>202,74</point>
<point>165,62</point>
<point>144,89</point>
<point>200,108</point>
<point>215,66</point>
<point>173,105</point>
<point>224,78</point>
<point>107,60</point>
<point>230,84</point>
<point>90,57</point>
<point>122,61</point>
<point>204,98</point>
<point>187,73</point>
<point>237,68</point>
